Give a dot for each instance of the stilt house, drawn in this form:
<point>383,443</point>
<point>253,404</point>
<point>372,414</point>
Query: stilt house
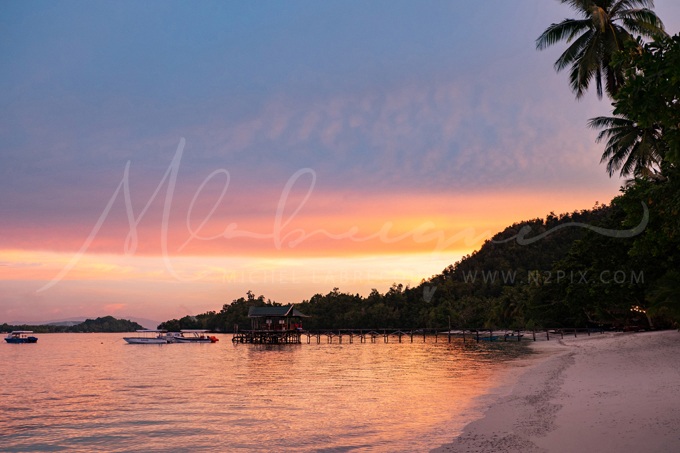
<point>276,318</point>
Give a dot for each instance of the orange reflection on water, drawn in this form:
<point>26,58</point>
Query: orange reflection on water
<point>93,391</point>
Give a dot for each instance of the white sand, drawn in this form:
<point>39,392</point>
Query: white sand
<point>606,392</point>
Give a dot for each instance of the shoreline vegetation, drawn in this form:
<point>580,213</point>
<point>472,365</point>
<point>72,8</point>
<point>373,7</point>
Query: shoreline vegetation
<point>105,324</point>
<point>609,392</point>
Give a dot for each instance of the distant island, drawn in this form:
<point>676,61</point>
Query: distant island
<point>103,324</point>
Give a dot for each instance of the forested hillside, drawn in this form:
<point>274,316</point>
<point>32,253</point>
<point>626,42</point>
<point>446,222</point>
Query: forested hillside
<point>547,272</point>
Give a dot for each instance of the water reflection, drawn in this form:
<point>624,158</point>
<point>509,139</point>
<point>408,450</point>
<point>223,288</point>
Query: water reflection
<point>85,392</point>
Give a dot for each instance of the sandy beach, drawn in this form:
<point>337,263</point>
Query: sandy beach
<point>606,392</point>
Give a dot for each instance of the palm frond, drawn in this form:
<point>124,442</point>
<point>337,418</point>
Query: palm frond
<point>581,6</point>
<point>643,22</point>
<point>573,52</point>
<point>564,31</point>
<point>614,79</point>
<point>585,68</point>
<point>630,149</point>
<point>623,5</point>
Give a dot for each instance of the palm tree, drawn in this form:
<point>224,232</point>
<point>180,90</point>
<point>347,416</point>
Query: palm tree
<point>630,149</point>
<point>605,27</point>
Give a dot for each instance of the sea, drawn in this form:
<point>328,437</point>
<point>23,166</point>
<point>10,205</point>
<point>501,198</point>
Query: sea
<point>95,392</point>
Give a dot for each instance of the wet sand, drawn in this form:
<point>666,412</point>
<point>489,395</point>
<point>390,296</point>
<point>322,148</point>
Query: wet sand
<point>606,392</point>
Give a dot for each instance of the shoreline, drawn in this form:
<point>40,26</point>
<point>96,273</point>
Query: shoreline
<point>606,392</point>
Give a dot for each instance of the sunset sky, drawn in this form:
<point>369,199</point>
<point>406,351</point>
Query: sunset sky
<point>161,158</point>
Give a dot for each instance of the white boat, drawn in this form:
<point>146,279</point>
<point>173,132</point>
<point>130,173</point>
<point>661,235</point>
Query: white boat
<point>172,336</point>
<point>21,336</point>
<point>194,336</point>
<point>148,337</point>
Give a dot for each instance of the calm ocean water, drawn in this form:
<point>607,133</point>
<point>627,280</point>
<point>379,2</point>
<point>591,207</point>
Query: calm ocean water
<point>94,392</point>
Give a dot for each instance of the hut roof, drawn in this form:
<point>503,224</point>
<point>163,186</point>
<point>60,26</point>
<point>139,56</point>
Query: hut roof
<point>284,311</point>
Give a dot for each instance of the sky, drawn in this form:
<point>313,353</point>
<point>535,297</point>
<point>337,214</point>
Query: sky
<point>162,158</point>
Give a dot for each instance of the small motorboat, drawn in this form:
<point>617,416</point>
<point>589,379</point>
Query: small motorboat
<point>21,336</point>
<point>194,336</point>
<point>513,336</point>
<point>148,337</point>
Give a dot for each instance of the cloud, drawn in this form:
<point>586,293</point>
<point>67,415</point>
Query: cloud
<point>450,135</point>
<point>112,308</point>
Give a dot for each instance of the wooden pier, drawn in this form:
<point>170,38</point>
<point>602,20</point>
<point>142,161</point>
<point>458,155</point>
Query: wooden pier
<point>366,335</point>
<point>283,325</point>
<point>350,336</point>
<point>267,337</point>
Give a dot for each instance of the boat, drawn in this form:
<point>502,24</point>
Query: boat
<point>21,336</point>
<point>171,336</point>
<point>513,336</point>
<point>148,337</point>
<point>194,336</point>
